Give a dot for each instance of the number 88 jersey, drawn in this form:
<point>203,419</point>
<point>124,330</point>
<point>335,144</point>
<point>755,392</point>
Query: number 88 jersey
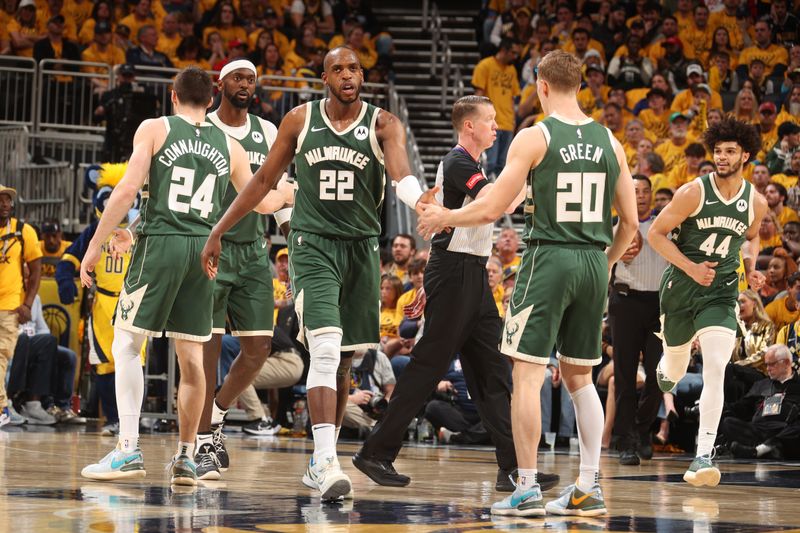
<point>187,181</point>
<point>570,191</point>
<point>715,231</point>
<point>340,176</point>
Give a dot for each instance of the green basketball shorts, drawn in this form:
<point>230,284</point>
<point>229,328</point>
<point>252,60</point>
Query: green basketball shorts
<point>336,286</point>
<point>558,301</point>
<point>243,290</point>
<point>687,308</point>
<point>166,289</point>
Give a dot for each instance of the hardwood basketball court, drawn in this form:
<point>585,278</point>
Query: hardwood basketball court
<point>452,489</point>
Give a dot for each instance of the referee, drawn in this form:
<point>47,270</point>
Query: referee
<point>634,315</point>
<point>460,316</point>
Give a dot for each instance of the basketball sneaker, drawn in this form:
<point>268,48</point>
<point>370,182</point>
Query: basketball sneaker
<point>663,383</point>
<point>184,471</point>
<point>522,502</point>
<point>263,427</point>
<point>117,465</point>
<point>207,464</point>
<point>702,471</point>
<point>109,430</point>
<point>573,501</point>
<point>327,477</point>
<point>36,414</point>
<point>15,419</point>
<point>223,460</point>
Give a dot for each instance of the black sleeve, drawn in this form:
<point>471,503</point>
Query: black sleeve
<point>463,174</point>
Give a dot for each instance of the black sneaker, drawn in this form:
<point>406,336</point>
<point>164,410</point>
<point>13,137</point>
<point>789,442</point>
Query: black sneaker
<point>505,480</point>
<point>207,464</point>
<point>743,451</point>
<point>263,427</point>
<point>629,457</point>
<point>379,471</point>
<point>646,447</point>
<point>219,448</point>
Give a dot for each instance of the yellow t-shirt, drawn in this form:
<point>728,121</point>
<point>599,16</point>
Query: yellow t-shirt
<point>662,181</point>
<point>405,299</point>
<point>278,293</point>
<point>680,175</point>
<point>773,55</point>
<point>11,290</point>
<point>772,242</point>
<point>671,154</point>
<point>587,101</point>
<point>788,215</point>
<point>227,34</point>
<point>685,22</point>
<point>79,10</point>
<point>695,42</point>
<point>389,322</point>
<point>684,100</point>
<point>779,315</point>
<point>722,19</point>
<point>280,40</point>
<point>594,44</point>
<point>49,260</point>
<point>15,26</point>
<point>498,294</point>
<point>783,179</point>
<point>169,45</point>
<point>658,124</point>
<point>183,63</point>
<point>785,116</point>
<point>768,140</point>
<point>135,25</point>
<point>112,56</point>
<point>500,85</point>
<point>514,263</point>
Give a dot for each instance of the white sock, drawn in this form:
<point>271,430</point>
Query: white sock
<point>717,346</point>
<point>129,383</point>
<point>589,416</point>
<point>527,478</point>
<point>204,438</point>
<point>324,441</point>
<point>763,449</point>
<point>186,448</point>
<point>217,414</point>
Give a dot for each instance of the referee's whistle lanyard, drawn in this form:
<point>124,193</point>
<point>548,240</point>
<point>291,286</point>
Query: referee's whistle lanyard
<point>459,147</point>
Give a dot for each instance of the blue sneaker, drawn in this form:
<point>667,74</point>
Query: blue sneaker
<point>574,502</point>
<point>521,503</point>
<point>117,465</point>
<point>663,383</point>
<point>11,417</point>
<point>184,471</point>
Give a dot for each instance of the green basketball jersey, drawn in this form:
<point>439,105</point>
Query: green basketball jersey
<point>256,140</point>
<point>570,191</point>
<point>340,176</point>
<point>716,230</point>
<point>188,177</point>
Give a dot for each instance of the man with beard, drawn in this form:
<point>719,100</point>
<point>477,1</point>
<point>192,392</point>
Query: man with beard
<point>243,289</point>
<point>404,247</point>
<point>342,147</point>
<point>717,216</point>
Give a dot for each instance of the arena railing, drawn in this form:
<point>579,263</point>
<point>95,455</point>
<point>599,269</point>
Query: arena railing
<point>18,87</point>
<point>66,96</point>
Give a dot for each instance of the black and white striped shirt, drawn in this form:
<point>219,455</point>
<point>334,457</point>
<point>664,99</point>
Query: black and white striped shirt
<point>460,179</point>
<point>644,271</point>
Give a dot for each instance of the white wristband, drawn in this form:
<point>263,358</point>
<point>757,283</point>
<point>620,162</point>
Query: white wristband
<point>283,215</point>
<point>409,191</point>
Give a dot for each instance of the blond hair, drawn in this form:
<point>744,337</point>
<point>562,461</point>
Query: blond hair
<point>561,70</point>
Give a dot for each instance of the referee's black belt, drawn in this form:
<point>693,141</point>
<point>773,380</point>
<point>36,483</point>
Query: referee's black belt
<point>105,292</point>
<point>461,256</point>
<point>625,290</point>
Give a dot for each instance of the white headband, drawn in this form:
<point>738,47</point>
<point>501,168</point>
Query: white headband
<point>235,65</point>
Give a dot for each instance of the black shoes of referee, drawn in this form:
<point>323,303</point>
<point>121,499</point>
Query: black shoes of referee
<point>383,473</point>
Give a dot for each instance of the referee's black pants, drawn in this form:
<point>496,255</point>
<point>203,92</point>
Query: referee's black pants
<point>635,320</point>
<point>460,317</point>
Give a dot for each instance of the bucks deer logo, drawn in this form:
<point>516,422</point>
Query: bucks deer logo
<point>125,308</point>
<point>510,332</point>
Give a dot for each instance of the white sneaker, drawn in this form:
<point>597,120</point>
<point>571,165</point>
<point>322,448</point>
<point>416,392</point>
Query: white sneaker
<point>327,477</point>
<point>36,414</point>
<point>109,430</point>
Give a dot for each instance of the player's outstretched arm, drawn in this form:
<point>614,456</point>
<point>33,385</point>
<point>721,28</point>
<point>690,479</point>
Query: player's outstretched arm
<point>392,136</point>
<point>625,204</point>
<point>685,202</point>
<point>752,245</point>
<point>526,151</point>
<point>241,176</point>
<point>278,158</point>
<point>124,194</point>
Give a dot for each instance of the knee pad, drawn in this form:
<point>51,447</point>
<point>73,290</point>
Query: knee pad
<point>325,350</point>
<point>676,361</point>
<point>126,345</point>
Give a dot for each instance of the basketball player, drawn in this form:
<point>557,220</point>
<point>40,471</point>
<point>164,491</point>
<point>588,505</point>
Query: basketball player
<point>243,290</point>
<point>574,170</point>
<point>183,165</point>
<point>340,147</point>
<point>715,216</point>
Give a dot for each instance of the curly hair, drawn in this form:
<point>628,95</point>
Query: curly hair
<point>731,130</point>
